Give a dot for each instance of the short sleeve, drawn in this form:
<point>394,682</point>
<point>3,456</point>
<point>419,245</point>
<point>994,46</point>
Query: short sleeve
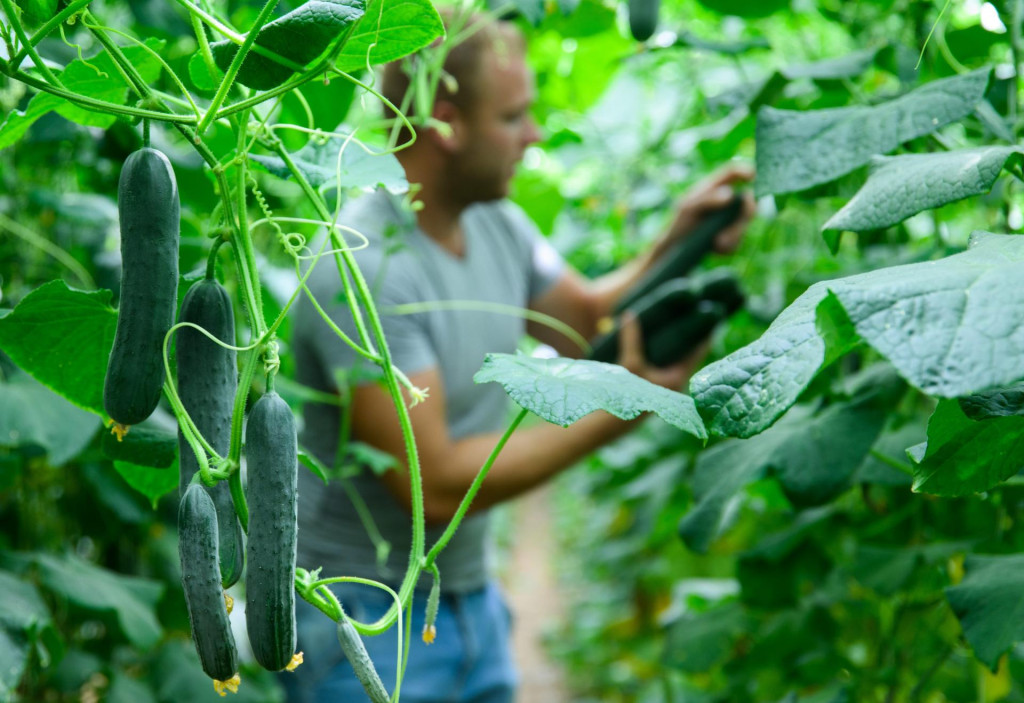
<point>544,264</point>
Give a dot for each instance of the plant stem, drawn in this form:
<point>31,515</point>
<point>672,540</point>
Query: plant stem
<point>1017,49</point>
<point>27,45</point>
<point>48,27</point>
<point>467,499</point>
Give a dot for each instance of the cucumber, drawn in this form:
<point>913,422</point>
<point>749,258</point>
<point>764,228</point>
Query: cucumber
<point>355,651</point>
<point>272,460</point>
<point>148,210</point>
<point>722,285</point>
<point>667,302</point>
<point>643,18</point>
<point>200,579</point>
<point>681,259</point>
<point>207,381</point>
<point>675,340</point>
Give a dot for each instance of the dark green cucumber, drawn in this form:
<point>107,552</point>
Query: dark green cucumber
<point>272,460</point>
<point>200,579</point>
<point>676,339</point>
<point>643,18</point>
<point>148,209</point>
<point>207,381</point>
<point>355,651</point>
<point>667,302</point>
<point>681,259</point>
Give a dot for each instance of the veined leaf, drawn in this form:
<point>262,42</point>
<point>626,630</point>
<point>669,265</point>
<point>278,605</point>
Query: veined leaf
<point>31,414</point>
<point>989,603</point>
<point>313,30</point>
<point>1001,402</point>
<point>966,456</point>
<point>901,186</point>
<point>797,150</point>
<point>951,328</point>
<point>150,481</point>
<point>62,338</point>
<point>563,390</point>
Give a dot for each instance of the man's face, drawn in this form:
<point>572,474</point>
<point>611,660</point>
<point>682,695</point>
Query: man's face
<point>498,128</point>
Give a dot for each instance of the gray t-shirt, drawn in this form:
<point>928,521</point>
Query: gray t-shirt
<point>506,261</point>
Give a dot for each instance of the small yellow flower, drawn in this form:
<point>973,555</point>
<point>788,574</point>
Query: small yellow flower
<point>229,602</point>
<point>119,430</point>
<point>230,685</point>
<point>418,395</point>
<point>429,633</point>
<point>294,663</point>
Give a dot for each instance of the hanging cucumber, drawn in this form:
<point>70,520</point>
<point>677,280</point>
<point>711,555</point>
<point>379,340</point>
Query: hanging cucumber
<point>669,301</point>
<point>643,18</point>
<point>355,651</point>
<point>272,459</point>
<point>148,210</point>
<point>207,381</point>
<point>200,579</point>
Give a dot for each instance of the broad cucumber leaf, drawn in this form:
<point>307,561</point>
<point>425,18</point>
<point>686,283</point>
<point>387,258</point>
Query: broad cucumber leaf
<point>699,640</point>
<point>315,29</point>
<point>849,66</point>
<point>131,600</point>
<point>22,607</point>
<point>797,150</point>
<point>563,390</point>
<point>950,327</point>
<point>62,338</point>
<point>813,455</point>
<point>901,186</point>
<point>150,481</point>
<point>388,31</point>
<point>95,77</point>
<point>36,12</point>
<point>14,653</point>
<point>966,456</point>
<point>989,603</point>
<point>32,414</point>
<point>1001,402</point>
<point>318,162</point>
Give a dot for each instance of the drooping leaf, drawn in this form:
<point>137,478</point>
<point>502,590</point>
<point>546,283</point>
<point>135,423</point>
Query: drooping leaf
<point>94,77</point>
<point>699,640</point>
<point>200,74</point>
<point>950,327</point>
<point>31,414</point>
<point>131,600</point>
<point>313,31</point>
<point>901,186</point>
<point>318,162</point>
<point>62,338</point>
<point>22,607</point>
<point>813,455</point>
<point>989,603</point>
<point>151,482</point>
<point>1001,402</point>
<point>385,35</point>
<point>965,456</point>
<point>797,150</point>
<point>563,390</point>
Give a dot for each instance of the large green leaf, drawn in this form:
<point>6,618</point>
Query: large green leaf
<point>31,414</point>
<point>699,640</point>
<point>131,600</point>
<point>966,456</point>
<point>1000,402</point>
<point>797,150</point>
<point>22,607</point>
<point>14,653</point>
<point>849,66</point>
<point>96,78</point>
<point>989,603</point>
<point>150,481</point>
<point>389,31</point>
<point>314,30</point>
<point>813,455</point>
<point>901,186</point>
<point>62,337</point>
<point>563,390</point>
<point>950,327</point>
<point>318,162</point>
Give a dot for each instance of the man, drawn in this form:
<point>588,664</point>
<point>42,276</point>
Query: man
<point>465,242</point>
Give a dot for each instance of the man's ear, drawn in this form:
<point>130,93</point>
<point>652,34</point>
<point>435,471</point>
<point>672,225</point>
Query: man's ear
<point>449,129</point>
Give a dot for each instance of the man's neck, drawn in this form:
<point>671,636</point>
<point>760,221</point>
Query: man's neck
<point>439,216</point>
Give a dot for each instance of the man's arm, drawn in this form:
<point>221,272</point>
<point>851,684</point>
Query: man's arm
<point>531,456</point>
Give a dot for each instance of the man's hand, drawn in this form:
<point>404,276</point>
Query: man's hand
<point>632,358</point>
<point>713,193</point>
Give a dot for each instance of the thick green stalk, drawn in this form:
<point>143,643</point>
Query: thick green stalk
<point>242,238</point>
<point>236,64</point>
<point>238,412</point>
<point>467,499</point>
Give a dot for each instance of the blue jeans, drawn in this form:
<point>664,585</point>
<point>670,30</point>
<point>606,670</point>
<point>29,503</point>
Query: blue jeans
<point>469,662</point>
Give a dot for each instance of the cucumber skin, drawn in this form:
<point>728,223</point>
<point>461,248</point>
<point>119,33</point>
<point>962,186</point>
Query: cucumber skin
<point>658,308</point>
<point>207,381</point>
<point>200,579</point>
<point>355,651</point>
<point>643,18</point>
<point>272,461</point>
<point>149,212</point>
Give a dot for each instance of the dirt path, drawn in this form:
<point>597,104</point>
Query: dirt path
<point>534,598</point>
